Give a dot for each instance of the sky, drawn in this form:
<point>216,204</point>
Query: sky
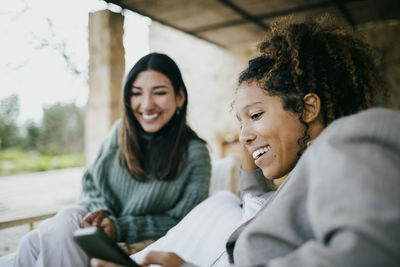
<point>35,36</point>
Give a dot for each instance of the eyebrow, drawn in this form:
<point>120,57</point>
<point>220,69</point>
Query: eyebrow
<point>153,88</point>
<point>246,107</point>
<point>251,104</point>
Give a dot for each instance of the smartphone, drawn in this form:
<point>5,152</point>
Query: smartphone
<point>97,244</point>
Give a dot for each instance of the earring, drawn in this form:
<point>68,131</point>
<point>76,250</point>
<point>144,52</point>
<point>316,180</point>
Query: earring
<point>178,110</point>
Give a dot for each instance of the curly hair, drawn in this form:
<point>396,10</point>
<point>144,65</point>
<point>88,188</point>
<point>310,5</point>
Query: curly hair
<point>301,58</point>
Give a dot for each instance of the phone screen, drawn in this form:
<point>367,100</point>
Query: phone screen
<point>97,244</point>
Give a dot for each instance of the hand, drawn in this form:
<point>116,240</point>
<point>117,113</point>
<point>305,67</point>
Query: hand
<point>100,263</point>
<point>108,227</point>
<point>247,160</point>
<point>166,259</point>
<point>93,218</point>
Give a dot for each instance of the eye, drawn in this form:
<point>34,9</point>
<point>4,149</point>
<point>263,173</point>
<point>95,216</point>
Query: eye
<point>256,116</point>
<point>135,93</point>
<point>160,93</point>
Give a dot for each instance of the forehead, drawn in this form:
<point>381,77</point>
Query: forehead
<point>151,77</point>
<point>249,94</point>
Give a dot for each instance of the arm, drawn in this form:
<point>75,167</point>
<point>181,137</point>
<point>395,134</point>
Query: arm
<point>350,181</point>
<point>165,259</point>
<point>252,180</point>
<point>152,226</point>
<point>354,208</point>
<point>91,196</point>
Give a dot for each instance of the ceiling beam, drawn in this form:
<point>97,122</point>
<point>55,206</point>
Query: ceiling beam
<point>346,14</point>
<point>245,15</point>
<point>285,12</point>
<point>125,7</point>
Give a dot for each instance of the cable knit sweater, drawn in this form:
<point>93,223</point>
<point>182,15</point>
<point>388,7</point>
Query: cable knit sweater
<point>143,210</point>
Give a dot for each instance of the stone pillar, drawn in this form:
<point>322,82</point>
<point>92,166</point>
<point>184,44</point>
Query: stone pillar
<point>106,73</point>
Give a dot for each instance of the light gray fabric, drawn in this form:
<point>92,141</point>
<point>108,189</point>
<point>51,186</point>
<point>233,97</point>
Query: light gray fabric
<point>340,206</point>
<point>52,240</point>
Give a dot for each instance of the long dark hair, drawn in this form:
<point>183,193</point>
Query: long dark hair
<point>171,141</point>
<point>301,58</point>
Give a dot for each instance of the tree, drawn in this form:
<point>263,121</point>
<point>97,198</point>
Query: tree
<point>33,136</point>
<point>9,111</point>
<point>63,127</point>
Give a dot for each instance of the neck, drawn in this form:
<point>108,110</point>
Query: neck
<point>315,128</point>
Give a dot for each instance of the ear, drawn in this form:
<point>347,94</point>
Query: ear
<point>312,107</point>
<point>180,98</point>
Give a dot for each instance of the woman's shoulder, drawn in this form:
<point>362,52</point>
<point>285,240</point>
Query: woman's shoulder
<point>197,144</point>
<point>197,149</point>
<point>112,140</point>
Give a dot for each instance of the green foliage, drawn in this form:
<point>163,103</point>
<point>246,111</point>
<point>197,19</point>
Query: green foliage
<point>14,161</point>
<point>56,142</point>
<point>33,136</point>
<point>62,128</point>
<point>9,110</point>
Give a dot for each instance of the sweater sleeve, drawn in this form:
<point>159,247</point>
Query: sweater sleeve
<point>348,181</point>
<point>254,182</point>
<point>152,226</point>
<point>353,197</point>
<point>91,197</point>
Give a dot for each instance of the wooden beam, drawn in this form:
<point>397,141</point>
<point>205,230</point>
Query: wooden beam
<point>346,14</point>
<point>28,220</point>
<point>245,15</point>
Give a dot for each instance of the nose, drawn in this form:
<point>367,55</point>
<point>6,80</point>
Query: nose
<point>246,135</point>
<point>147,102</point>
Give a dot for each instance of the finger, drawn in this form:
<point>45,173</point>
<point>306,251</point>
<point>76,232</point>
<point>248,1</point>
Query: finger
<point>85,224</point>
<point>95,263</point>
<point>108,226</point>
<point>153,257</point>
<point>99,218</point>
<point>100,263</point>
<point>89,217</point>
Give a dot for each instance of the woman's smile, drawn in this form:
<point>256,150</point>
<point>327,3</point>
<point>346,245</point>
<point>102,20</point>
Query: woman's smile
<point>150,117</point>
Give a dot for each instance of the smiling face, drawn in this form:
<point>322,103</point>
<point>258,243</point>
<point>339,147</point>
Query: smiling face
<point>268,132</point>
<point>153,100</point>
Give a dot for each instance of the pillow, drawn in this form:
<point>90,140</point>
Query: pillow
<point>201,236</point>
<point>213,220</point>
<point>225,174</point>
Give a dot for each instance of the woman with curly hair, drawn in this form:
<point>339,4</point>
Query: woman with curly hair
<point>305,112</point>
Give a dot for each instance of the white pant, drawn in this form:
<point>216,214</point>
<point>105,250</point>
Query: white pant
<point>52,244</point>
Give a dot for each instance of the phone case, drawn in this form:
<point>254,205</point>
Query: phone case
<point>97,244</point>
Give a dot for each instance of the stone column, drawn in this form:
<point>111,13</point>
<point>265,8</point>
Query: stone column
<point>106,73</point>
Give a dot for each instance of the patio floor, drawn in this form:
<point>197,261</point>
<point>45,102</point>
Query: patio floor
<point>33,194</point>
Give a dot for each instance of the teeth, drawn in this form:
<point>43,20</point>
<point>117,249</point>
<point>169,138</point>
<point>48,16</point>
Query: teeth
<point>259,152</point>
<point>150,117</point>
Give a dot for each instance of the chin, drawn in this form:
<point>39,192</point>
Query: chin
<point>267,174</point>
<point>271,174</point>
<point>151,130</point>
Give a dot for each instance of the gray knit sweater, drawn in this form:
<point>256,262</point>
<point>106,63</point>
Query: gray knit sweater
<point>143,210</point>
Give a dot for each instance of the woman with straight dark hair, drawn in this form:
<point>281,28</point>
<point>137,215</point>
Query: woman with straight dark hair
<point>151,170</point>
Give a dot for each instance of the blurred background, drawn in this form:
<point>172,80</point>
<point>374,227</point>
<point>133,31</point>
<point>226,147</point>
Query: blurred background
<point>63,64</point>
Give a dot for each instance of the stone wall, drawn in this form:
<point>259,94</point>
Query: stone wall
<point>385,39</point>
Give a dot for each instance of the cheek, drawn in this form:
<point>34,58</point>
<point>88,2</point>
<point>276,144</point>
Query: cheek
<point>291,144</point>
<point>167,104</point>
<point>133,103</point>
